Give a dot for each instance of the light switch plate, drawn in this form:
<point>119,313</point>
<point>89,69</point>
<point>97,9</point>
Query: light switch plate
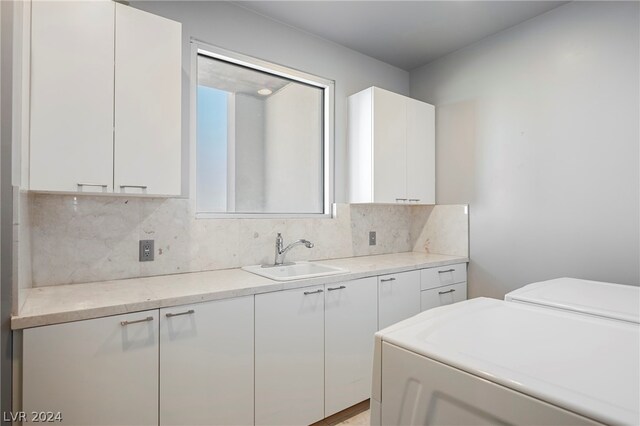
<point>146,250</point>
<point>372,238</point>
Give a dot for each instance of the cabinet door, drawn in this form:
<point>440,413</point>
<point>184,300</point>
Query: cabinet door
<point>443,296</point>
<point>147,103</point>
<point>351,319</point>
<point>389,147</point>
<point>95,372</point>
<point>206,363</point>
<point>421,151</point>
<point>71,130</point>
<point>289,365</point>
<point>398,297</point>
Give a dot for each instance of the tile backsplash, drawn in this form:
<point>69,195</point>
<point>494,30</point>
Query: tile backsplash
<point>84,239</point>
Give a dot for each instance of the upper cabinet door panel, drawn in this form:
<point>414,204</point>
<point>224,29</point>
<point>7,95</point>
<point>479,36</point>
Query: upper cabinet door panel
<point>147,103</point>
<point>421,176</point>
<point>72,76</point>
<point>389,135</point>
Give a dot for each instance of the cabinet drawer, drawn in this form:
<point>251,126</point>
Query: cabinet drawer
<point>444,275</point>
<point>443,296</point>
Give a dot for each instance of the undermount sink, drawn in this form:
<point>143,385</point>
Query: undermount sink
<point>294,271</point>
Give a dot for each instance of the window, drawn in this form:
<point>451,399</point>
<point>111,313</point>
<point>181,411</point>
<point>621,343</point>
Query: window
<point>263,138</point>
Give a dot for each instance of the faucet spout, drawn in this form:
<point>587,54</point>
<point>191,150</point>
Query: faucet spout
<point>281,252</point>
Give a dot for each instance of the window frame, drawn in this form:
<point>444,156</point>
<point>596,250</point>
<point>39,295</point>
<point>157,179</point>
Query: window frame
<point>328,159</point>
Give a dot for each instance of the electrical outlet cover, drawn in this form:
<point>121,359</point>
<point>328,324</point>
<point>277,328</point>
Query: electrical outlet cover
<point>372,238</point>
<point>146,250</point>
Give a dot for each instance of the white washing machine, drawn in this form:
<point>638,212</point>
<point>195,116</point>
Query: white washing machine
<point>487,361</point>
<point>615,301</point>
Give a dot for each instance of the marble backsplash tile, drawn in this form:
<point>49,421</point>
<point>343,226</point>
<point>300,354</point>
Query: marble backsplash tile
<point>83,239</point>
<point>445,231</point>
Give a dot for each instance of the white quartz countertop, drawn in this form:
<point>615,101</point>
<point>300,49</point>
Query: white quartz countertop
<point>73,302</point>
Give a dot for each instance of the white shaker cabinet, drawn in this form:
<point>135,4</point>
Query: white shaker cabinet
<point>206,363</point>
<point>148,59</point>
<point>71,96</point>
<point>105,99</point>
<point>96,372</point>
<point>289,357</point>
<point>391,148</point>
<point>398,297</point>
<point>351,320</point>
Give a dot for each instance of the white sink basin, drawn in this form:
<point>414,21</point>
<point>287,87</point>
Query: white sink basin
<point>295,271</point>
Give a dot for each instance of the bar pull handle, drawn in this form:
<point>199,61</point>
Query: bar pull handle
<point>189,312</point>
<point>384,280</point>
<point>414,199</point>
<point>123,323</point>
<point>400,199</point>
<point>81,184</point>
<point>313,292</point>
<point>336,288</point>
<point>448,270</point>
<point>133,186</point>
<point>448,291</point>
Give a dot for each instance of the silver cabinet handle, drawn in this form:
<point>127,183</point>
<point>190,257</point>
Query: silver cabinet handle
<point>134,186</point>
<point>384,280</point>
<point>123,323</point>
<point>400,199</point>
<point>80,185</point>
<point>313,292</point>
<point>336,288</point>
<point>414,199</point>
<point>448,270</point>
<point>448,291</point>
<point>190,311</point>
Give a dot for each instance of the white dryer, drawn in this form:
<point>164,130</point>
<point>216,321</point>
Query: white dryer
<point>487,361</point>
<point>614,301</point>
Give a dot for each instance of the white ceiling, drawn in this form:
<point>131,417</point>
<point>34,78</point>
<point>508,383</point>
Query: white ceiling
<point>236,79</point>
<point>406,34</point>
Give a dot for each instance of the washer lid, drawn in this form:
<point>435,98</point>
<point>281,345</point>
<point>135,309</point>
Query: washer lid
<point>585,364</point>
<point>617,301</point>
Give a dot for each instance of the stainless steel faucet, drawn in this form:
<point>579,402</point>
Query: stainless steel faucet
<point>282,252</point>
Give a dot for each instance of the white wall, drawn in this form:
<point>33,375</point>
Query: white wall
<point>249,153</point>
<point>538,129</point>
<point>232,27</point>
<point>293,150</point>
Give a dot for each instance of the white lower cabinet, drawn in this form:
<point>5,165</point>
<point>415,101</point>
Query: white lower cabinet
<point>398,297</point>
<point>206,363</point>
<point>441,296</point>
<point>96,372</point>
<point>289,357</point>
<point>351,319</point>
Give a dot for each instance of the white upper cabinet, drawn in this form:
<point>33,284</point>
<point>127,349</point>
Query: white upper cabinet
<point>391,148</point>
<point>147,103</point>
<point>421,152</point>
<point>105,99</point>
<point>71,144</point>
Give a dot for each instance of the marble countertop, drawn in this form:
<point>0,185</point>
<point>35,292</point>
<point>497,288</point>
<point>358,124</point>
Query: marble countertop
<point>73,302</point>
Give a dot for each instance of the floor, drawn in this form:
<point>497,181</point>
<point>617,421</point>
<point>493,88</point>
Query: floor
<point>361,419</point>
<point>358,415</point>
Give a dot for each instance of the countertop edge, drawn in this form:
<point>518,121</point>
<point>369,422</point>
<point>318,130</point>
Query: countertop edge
<point>19,322</point>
